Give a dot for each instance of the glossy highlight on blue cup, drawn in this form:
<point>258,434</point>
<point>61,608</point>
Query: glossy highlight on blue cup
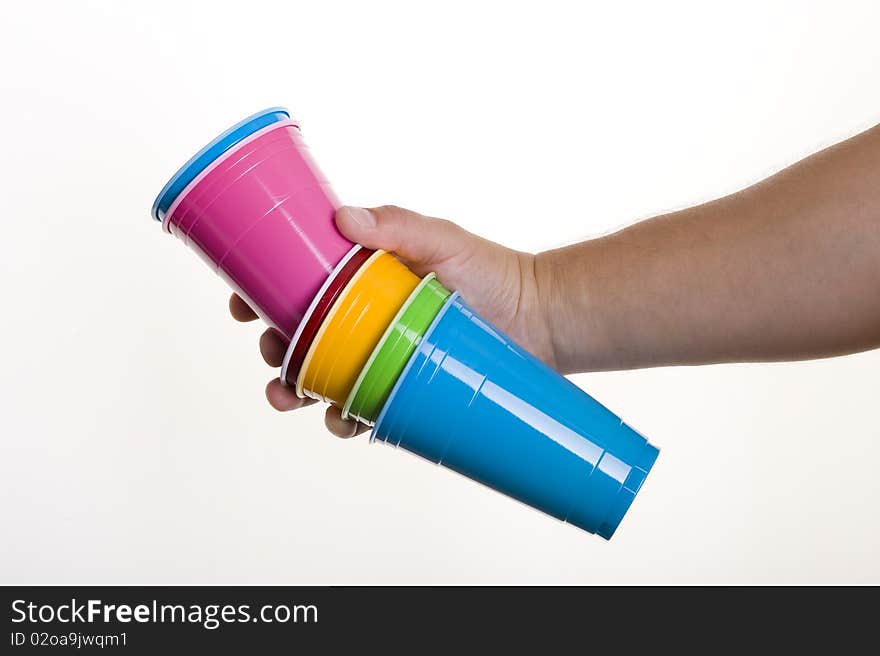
<point>474,401</point>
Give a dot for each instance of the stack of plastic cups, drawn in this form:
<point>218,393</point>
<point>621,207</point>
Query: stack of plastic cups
<point>403,355</point>
<point>353,327</point>
<point>393,350</point>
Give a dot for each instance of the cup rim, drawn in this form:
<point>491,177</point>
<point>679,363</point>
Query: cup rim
<point>220,159</point>
<point>454,296</point>
<point>300,329</point>
<point>210,152</point>
<point>337,304</point>
<point>385,335</point>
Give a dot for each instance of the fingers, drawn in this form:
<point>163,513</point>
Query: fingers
<point>272,343</point>
<point>273,346</point>
<point>284,398</point>
<point>420,240</point>
<point>240,310</point>
<point>342,427</point>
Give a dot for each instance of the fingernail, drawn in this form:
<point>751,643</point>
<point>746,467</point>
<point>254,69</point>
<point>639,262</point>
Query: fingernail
<point>362,217</point>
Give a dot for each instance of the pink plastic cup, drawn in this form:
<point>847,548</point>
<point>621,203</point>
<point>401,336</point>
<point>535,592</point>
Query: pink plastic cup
<point>205,188</point>
<point>262,216</point>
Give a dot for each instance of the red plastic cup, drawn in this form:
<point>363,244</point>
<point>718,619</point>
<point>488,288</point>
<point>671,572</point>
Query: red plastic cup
<point>318,311</point>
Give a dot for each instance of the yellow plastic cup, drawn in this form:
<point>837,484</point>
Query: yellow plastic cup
<point>353,327</point>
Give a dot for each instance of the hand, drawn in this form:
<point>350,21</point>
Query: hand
<point>499,283</point>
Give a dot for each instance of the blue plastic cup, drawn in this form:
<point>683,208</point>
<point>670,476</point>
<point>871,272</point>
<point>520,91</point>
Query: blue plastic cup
<point>472,400</point>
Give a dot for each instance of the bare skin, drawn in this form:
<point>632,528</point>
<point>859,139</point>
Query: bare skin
<point>787,269</point>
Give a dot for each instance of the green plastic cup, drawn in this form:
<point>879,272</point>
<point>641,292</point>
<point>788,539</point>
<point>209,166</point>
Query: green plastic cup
<point>392,352</point>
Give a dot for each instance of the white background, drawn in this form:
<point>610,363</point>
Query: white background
<point>136,444</point>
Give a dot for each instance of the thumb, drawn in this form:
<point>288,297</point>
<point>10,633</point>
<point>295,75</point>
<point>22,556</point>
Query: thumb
<point>420,240</point>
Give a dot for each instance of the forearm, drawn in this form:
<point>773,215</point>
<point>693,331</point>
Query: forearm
<point>787,269</point>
